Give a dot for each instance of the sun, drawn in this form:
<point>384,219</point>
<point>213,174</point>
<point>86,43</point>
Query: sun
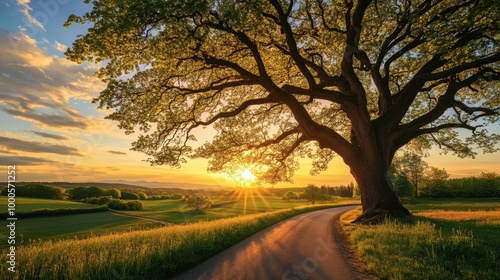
<point>247,175</point>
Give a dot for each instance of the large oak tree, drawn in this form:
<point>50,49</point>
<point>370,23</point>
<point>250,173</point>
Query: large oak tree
<point>279,80</point>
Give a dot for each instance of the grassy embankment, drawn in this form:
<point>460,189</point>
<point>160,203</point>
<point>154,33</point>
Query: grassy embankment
<point>147,254</point>
<point>446,239</point>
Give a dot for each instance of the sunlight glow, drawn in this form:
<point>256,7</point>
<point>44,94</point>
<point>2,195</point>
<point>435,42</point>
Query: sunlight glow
<point>247,175</point>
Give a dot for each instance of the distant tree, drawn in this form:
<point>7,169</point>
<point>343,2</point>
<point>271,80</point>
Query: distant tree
<point>413,166</point>
<point>289,195</point>
<point>198,201</point>
<point>489,175</point>
<point>403,187</point>
<point>38,191</point>
<point>343,191</point>
<point>324,189</point>
<point>115,193</point>
<point>312,193</point>
<point>279,80</point>
<point>118,204</point>
<point>129,195</point>
<point>176,196</point>
<point>79,193</point>
<point>435,182</point>
<point>356,193</point>
<point>142,196</point>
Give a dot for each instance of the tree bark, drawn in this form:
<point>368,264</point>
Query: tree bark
<point>378,197</point>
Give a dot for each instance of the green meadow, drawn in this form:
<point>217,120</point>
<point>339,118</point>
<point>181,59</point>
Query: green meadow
<point>445,239</point>
<point>78,226</point>
<point>66,226</point>
<point>142,254</point>
<point>243,202</point>
<point>27,204</point>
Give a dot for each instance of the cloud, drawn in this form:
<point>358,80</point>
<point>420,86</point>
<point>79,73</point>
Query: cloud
<point>25,10</point>
<point>49,135</point>
<point>116,152</point>
<point>37,147</point>
<point>22,160</point>
<point>37,87</point>
<point>60,47</point>
<point>47,119</point>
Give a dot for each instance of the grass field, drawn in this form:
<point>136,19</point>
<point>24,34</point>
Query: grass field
<point>446,239</point>
<point>67,226</point>
<point>80,226</point>
<point>247,201</point>
<point>147,254</point>
<point>76,226</point>
<point>26,204</point>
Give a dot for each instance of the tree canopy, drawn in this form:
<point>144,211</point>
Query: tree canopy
<point>280,80</point>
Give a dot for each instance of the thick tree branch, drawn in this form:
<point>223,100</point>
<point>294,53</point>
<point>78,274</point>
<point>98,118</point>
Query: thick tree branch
<point>461,68</point>
<point>214,86</point>
<point>324,94</point>
<point>324,21</point>
<point>292,44</point>
<point>445,102</point>
<point>235,112</point>
<point>276,140</point>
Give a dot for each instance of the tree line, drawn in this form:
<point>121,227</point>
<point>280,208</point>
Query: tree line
<point>412,177</point>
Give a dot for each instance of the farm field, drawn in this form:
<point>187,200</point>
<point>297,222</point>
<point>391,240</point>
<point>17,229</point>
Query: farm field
<point>27,204</point>
<point>66,226</point>
<point>446,239</point>
<point>244,202</point>
<point>94,224</point>
<point>74,226</point>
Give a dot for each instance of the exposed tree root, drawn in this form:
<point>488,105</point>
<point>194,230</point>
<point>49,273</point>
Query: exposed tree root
<point>376,216</point>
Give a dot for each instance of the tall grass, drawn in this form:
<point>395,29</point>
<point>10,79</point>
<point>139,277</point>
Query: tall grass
<point>148,254</point>
<point>419,249</point>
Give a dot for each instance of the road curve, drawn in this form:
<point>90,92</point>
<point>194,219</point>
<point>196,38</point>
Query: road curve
<point>302,247</point>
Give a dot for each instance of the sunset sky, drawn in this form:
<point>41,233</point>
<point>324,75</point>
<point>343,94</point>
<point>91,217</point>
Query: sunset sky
<point>52,132</point>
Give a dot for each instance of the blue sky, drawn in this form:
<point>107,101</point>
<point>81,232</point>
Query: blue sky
<point>52,131</point>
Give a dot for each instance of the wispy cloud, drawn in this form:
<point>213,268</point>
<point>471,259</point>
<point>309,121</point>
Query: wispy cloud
<point>60,47</point>
<point>48,119</point>
<point>23,160</point>
<point>37,147</point>
<point>49,135</point>
<point>26,11</point>
<point>116,152</point>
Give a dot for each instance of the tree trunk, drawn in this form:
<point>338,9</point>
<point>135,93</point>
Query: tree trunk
<point>416,187</point>
<point>377,194</point>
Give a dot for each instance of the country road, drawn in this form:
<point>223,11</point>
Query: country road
<point>302,247</point>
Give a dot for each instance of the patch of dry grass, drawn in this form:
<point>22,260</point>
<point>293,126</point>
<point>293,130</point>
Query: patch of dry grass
<point>489,217</point>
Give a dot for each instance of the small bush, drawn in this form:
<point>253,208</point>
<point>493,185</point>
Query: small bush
<point>119,204</point>
<point>289,196</point>
<point>98,200</point>
<point>134,205</point>
<point>198,201</point>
